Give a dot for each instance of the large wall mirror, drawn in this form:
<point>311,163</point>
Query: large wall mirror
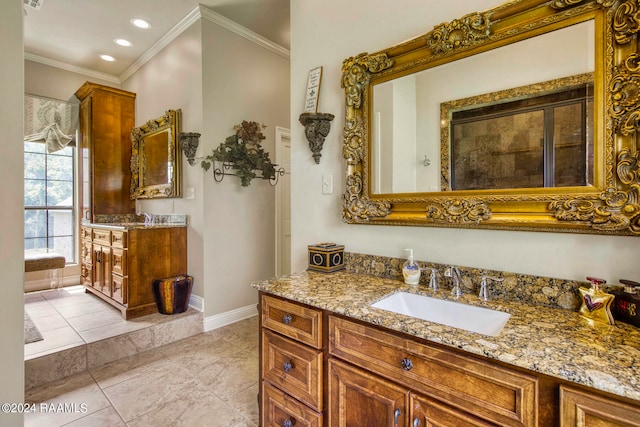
<point>521,117</point>
<point>155,160</point>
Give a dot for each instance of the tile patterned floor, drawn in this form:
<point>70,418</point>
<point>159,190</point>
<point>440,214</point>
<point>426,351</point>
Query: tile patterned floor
<point>209,379</point>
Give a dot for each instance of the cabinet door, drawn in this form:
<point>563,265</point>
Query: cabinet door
<point>427,412</point>
<point>578,408</point>
<point>359,399</point>
<point>102,269</point>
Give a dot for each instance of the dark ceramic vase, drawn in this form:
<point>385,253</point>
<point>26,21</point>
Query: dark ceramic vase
<point>172,294</point>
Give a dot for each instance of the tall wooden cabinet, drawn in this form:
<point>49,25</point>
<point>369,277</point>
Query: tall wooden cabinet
<point>107,116</point>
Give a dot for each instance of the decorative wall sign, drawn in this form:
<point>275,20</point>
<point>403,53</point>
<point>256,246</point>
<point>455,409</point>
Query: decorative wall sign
<point>313,90</point>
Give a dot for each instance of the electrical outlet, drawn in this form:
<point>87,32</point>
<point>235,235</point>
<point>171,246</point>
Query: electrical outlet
<point>327,184</point>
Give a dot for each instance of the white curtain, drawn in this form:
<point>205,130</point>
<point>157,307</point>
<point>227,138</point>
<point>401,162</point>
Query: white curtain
<point>50,121</point>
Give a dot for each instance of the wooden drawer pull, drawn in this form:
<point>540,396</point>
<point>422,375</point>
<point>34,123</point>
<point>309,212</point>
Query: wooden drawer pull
<point>406,363</point>
<point>287,319</point>
<point>287,366</point>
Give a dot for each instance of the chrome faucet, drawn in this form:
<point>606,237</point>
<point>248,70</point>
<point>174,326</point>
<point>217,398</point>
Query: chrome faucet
<point>454,273</point>
<point>433,279</point>
<point>484,293</point>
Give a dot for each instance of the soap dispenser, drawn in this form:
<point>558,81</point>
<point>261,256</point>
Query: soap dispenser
<point>410,270</point>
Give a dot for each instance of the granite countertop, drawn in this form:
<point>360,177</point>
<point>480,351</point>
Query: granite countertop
<point>551,341</point>
<point>131,225</point>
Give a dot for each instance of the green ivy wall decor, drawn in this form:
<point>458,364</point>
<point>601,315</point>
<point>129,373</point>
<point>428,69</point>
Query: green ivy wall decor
<point>243,153</point>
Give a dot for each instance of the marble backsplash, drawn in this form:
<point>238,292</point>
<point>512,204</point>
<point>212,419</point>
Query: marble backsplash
<point>537,290</point>
<point>159,219</point>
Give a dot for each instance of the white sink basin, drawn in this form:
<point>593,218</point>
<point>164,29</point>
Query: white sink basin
<point>468,317</point>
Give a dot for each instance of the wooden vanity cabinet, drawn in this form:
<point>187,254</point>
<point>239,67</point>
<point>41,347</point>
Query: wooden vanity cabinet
<point>578,408</point>
<point>107,116</point>
<point>373,377</point>
<point>291,364</point>
<point>124,263</point>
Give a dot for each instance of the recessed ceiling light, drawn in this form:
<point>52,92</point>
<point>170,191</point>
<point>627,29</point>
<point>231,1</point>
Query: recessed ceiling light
<point>123,42</point>
<point>141,23</point>
<point>108,58</point>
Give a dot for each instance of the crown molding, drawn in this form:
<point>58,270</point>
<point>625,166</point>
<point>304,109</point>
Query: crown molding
<point>64,66</point>
<point>171,35</point>
<point>238,29</point>
<point>193,16</point>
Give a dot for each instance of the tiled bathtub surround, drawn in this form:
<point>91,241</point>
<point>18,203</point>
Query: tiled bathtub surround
<point>516,287</point>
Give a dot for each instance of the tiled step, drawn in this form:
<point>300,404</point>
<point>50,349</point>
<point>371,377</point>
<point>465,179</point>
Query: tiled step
<point>100,346</point>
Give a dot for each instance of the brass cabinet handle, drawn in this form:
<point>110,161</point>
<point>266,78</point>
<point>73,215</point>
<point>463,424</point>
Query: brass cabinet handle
<point>406,364</point>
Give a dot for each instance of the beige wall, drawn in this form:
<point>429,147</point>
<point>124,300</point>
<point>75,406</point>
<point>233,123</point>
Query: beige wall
<point>11,214</point>
<point>241,81</point>
<point>324,33</point>
<point>219,79</point>
<point>172,80</point>
<point>52,82</point>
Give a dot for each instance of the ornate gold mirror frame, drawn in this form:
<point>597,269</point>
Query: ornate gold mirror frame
<point>610,206</point>
<point>155,163</point>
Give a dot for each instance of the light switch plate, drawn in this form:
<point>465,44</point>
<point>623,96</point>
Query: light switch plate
<point>191,193</point>
<point>327,184</point>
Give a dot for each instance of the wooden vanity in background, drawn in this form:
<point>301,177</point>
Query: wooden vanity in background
<point>119,263</point>
<point>120,258</point>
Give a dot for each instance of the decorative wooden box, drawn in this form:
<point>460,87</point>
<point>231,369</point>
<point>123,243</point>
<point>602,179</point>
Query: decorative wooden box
<point>326,257</point>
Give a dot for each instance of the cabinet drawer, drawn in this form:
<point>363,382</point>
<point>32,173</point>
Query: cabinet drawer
<point>293,320</point>
<point>578,408</point>
<point>102,237</point>
<point>294,368</point>
<point>85,233</point>
<point>119,288</point>
<point>119,261</point>
<point>499,395</point>
<point>119,239</point>
<point>278,408</point>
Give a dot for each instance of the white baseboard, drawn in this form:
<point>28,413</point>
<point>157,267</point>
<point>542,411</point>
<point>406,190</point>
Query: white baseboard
<point>44,284</point>
<point>196,302</point>
<point>218,320</point>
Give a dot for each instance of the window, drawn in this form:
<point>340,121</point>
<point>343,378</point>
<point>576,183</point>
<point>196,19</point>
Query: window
<point>49,207</point>
<point>544,141</point>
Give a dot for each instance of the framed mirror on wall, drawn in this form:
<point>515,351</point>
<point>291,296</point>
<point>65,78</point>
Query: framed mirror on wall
<point>522,117</point>
<point>155,161</point>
